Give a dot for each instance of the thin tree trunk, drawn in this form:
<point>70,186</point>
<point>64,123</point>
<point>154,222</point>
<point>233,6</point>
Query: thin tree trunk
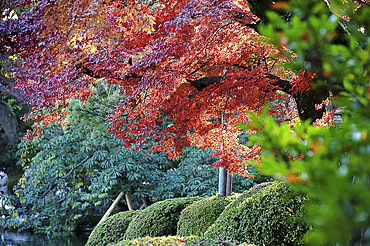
<point>224,179</point>
<point>229,184</point>
<point>224,182</point>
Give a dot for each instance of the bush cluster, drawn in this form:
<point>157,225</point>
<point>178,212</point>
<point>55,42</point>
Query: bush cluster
<point>159,219</point>
<point>176,240</point>
<point>112,229</point>
<point>270,214</point>
<point>267,214</point>
<point>196,218</point>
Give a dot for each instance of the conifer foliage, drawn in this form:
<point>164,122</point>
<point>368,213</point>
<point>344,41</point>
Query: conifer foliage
<point>198,64</point>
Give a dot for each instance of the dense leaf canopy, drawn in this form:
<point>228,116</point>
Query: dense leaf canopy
<point>201,65</point>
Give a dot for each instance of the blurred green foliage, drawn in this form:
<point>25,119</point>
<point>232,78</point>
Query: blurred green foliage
<point>328,164</point>
<point>331,166</point>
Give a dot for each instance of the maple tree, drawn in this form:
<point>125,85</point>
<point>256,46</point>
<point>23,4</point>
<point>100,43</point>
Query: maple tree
<point>188,70</point>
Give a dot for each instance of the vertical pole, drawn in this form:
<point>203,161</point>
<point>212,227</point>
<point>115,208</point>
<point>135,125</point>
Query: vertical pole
<point>229,184</point>
<point>222,180</point>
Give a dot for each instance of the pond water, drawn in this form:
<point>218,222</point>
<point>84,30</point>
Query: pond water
<point>28,239</point>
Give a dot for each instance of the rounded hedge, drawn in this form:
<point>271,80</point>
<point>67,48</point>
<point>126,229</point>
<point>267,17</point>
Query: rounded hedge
<point>270,214</point>
<point>159,219</point>
<point>248,193</point>
<point>112,229</point>
<point>196,218</point>
<point>176,240</point>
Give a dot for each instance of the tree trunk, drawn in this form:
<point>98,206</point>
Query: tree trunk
<point>224,182</point>
<point>229,184</point>
<point>8,121</point>
<point>224,179</point>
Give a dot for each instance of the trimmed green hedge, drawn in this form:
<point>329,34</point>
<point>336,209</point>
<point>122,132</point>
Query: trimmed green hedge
<point>248,193</point>
<point>111,229</point>
<point>198,217</point>
<point>175,240</point>
<point>269,215</point>
<point>159,219</point>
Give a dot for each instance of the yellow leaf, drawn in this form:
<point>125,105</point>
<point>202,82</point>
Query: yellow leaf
<point>152,20</point>
<point>93,50</point>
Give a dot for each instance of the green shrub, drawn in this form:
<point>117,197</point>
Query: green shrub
<point>175,240</point>
<point>159,219</point>
<point>248,193</point>
<point>272,215</point>
<point>196,218</point>
<point>112,229</point>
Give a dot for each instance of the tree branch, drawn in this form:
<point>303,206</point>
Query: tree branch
<point>63,177</point>
<point>305,101</point>
<point>202,83</point>
<point>130,78</point>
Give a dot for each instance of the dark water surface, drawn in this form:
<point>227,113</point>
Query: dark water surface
<point>28,239</point>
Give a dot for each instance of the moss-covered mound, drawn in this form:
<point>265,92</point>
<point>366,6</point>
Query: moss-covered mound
<point>111,229</point>
<point>175,240</point>
<point>271,215</point>
<point>196,218</point>
<point>159,219</point>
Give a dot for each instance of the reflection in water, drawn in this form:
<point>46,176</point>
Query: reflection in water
<point>29,239</point>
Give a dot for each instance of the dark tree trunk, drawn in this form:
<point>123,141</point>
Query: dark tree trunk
<point>8,121</point>
<point>224,182</point>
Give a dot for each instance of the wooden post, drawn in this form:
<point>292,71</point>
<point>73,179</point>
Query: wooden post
<point>114,204</point>
<point>128,201</point>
